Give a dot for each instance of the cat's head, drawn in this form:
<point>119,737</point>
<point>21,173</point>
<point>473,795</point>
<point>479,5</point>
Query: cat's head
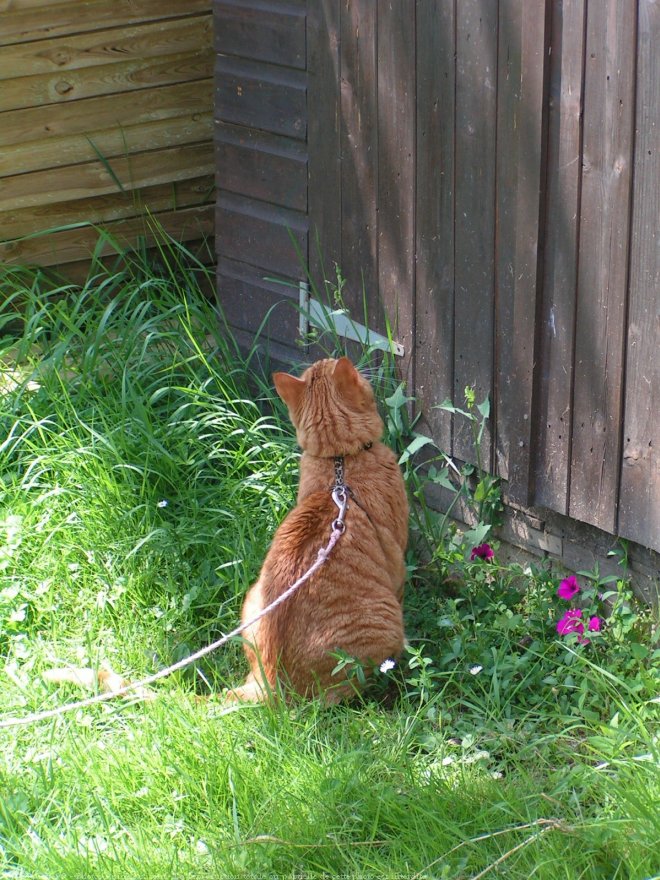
<point>332,408</point>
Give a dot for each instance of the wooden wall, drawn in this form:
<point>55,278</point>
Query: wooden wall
<point>489,174</point>
<point>105,111</point>
<point>261,154</point>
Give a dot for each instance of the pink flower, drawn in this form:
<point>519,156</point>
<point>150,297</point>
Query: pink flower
<point>568,588</point>
<point>570,622</point>
<point>595,623</point>
<point>483,551</point>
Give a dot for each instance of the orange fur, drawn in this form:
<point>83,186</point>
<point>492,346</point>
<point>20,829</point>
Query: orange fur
<point>353,602</point>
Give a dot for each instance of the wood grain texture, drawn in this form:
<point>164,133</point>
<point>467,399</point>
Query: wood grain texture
<point>603,262</point>
<point>639,508</point>
<point>324,142</point>
<point>263,32</point>
<point>531,157</point>
<point>164,197</point>
<point>253,303</point>
<point>259,234</point>
<point>395,303</point>
<point>434,212</point>
<point>557,318</point>
<point>93,178</point>
<point>359,152</point>
<point>509,119</point>
<point>23,22</point>
<point>124,140</point>
<point>107,79</point>
<point>98,48</point>
<point>73,245</point>
<point>106,112</point>
<point>261,165</point>
<point>261,96</point>
<point>476,90</point>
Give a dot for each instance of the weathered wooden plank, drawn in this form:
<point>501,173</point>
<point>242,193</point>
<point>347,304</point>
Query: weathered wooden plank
<point>260,234</point>
<point>396,177</point>
<point>434,297</point>
<point>251,303</point>
<point>261,96</point>
<point>262,166</point>
<point>79,271</point>
<point>107,79</point>
<point>639,505</point>
<point>152,40</point>
<point>108,111</point>
<point>509,119</point>
<point>476,83</point>
<point>120,141</point>
<point>603,262</point>
<point>557,318</point>
<point>164,197</point>
<point>359,151</point>
<point>271,32</point>
<point>72,245</point>
<point>24,23</point>
<point>93,179</point>
<point>324,141</point>
<point>15,5</point>
<point>531,154</point>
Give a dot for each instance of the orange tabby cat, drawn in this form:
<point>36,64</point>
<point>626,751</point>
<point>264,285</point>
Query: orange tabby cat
<point>353,602</point>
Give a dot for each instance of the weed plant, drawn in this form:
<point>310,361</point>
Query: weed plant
<point>144,465</point>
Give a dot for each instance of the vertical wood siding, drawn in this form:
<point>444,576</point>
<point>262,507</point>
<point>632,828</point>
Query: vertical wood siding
<point>486,174</point>
<point>639,500</point>
<point>105,110</point>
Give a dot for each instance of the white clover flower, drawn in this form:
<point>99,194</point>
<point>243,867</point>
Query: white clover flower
<point>386,665</point>
<point>475,670</point>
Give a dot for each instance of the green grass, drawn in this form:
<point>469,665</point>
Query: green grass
<point>143,468</point>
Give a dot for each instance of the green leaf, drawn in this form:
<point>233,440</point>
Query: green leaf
<point>395,403</point>
<point>484,408</point>
<point>414,446</point>
<point>449,407</point>
<point>474,537</point>
<point>481,492</point>
<point>441,478</point>
<point>639,652</point>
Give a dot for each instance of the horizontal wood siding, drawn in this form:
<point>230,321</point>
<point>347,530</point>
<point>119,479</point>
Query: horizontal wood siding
<point>261,165</point>
<point>105,113</point>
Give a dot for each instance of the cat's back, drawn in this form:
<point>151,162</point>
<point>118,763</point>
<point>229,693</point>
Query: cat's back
<point>375,484</point>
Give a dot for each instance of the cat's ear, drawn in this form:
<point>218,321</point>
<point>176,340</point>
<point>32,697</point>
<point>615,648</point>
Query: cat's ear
<point>289,388</point>
<point>345,375</point>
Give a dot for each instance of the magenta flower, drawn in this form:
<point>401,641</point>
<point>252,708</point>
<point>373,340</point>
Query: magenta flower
<point>595,623</point>
<point>570,622</point>
<point>568,588</point>
<point>483,551</point>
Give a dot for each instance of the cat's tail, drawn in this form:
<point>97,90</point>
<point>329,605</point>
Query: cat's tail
<point>102,680</point>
